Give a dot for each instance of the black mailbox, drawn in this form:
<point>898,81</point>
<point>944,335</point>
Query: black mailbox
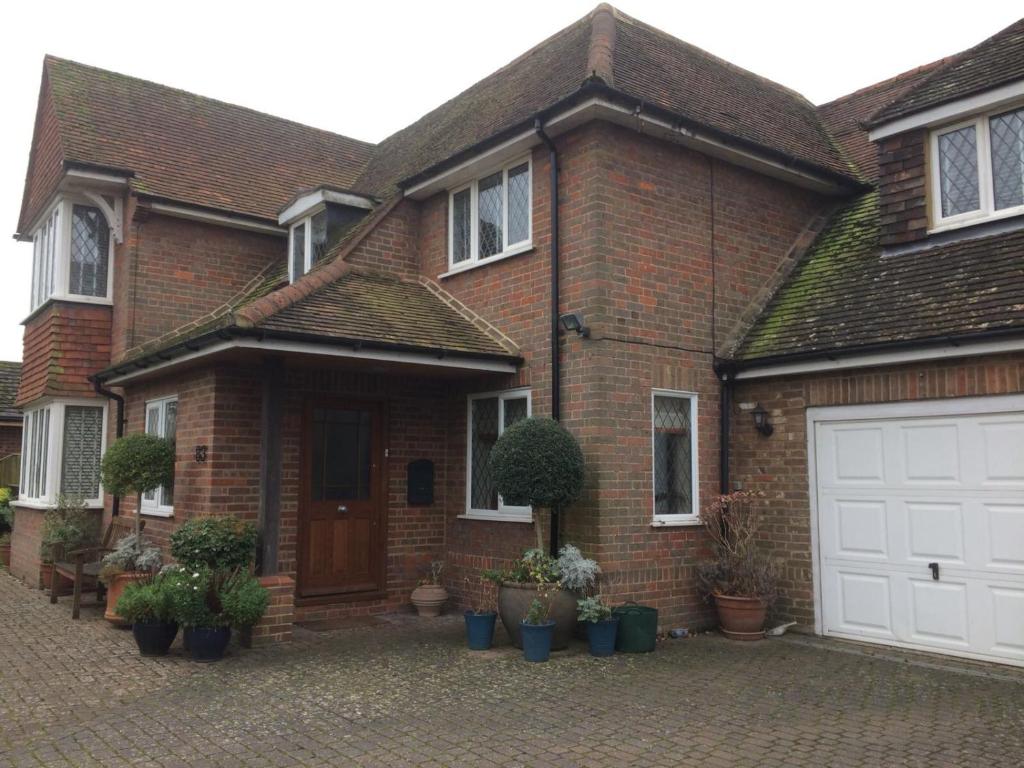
<point>420,483</point>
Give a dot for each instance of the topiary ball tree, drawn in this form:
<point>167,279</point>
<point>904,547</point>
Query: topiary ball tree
<point>135,465</point>
<point>537,462</point>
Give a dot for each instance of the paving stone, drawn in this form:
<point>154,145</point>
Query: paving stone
<point>407,693</point>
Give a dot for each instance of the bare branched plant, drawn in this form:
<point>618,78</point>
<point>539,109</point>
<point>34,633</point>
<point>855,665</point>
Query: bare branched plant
<point>738,567</point>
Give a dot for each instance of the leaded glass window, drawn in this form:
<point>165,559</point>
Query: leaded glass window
<point>162,421</point>
<point>489,416</point>
<point>82,450</point>
<point>491,217</point>
<point>317,238</point>
<point>298,255</point>
<point>958,167</point>
<point>1007,136</point>
<point>673,420</point>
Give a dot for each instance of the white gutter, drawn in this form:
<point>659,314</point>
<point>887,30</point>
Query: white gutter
<point>454,361</point>
<point>979,102</point>
<point>875,360</point>
<point>206,217</point>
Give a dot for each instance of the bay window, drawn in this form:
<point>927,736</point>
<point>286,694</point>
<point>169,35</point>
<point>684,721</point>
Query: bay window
<point>977,169</point>
<point>162,421</point>
<point>72,254</point>
<point>491,217</point>
<point>62,444</point>
<point>674,456</point>
<point>489,415</point>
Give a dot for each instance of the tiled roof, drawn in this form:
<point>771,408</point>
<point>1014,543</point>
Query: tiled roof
<point>847,293</point>
<point>194,149</point>
<point>632,59</point>
<point>993,62</point>
<point>10,375</point>
<point>845,117</point>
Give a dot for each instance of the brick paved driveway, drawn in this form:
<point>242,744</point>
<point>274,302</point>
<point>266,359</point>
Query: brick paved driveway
<point>406,693</point>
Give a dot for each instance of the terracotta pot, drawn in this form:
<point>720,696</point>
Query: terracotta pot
<point>741,618</point>
<point>65,586</point>
<point>5,555</point>
<point>429,599</point>
<point>114,590</point>
<point>514,601</point>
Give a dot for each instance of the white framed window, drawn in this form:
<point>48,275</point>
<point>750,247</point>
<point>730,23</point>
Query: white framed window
<point>307,244</point>
<point>72,254</point>
<point>491,217</point>
<point>674,457</point>
<point>977,169</point>
<point>62,444</point>
<point>488,416</point>
<point>162,421</point>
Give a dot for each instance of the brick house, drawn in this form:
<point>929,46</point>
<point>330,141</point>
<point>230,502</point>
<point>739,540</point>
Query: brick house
<point>336,332</point>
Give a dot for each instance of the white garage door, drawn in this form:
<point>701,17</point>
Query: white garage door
<point>921,525</point>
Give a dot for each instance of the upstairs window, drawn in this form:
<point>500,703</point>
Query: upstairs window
<point>978,169</point>
<point>491,217</point>
<point>307,244</point>
<point>62,444</point>
<point>72,251</point>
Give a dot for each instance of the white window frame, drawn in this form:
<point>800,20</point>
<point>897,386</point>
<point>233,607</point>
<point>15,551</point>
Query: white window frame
<point>156,506</point>
<point>55,270</point>
<point>986,192</point>
<point>508,249</point>
<point>694,517</point>
<point>55,451</point>
<point>307,246</point>
<point>504,512</point>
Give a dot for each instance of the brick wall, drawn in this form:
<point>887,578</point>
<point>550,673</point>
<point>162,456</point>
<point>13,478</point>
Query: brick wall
<point>63,344</point>
<point>25,557</point>
<point>778,464</point>
<point>277,623</point>
<point>902,187</point>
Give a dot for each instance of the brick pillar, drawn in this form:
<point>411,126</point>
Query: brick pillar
<point>276,624</point>
<point>25,542</point>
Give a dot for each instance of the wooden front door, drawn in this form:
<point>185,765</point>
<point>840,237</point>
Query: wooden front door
<point>341,520</point>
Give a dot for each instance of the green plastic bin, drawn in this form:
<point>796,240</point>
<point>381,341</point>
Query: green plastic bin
<point>638,628</point>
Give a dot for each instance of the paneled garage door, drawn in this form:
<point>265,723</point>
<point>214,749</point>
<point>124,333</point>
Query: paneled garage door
<point>921,525</point>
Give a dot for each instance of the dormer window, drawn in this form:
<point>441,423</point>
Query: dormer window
<point>491,217</point>
<point>307,244</point>
<point>978,169</point>
<point>72,254</point>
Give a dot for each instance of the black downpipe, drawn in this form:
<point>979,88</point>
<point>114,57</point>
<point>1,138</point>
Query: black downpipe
<point>556,409</point>
<point>115,508</point>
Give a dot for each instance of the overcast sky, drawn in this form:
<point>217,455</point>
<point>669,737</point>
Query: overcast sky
<point>366,69</point>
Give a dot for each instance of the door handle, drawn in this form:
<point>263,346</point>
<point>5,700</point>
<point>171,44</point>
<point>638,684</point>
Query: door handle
<point>935,571</point>
<point>342,508</point>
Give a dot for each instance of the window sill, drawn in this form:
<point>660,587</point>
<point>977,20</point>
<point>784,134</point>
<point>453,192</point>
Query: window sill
<point>687,522</point>
<point>68,299</point>
<point>518,250</point>
<point>153,512</point>
<point>496,518</point>
<point>975,219</point>
<point>41,505</point>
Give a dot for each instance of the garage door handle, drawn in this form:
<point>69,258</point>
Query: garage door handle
<point>935,570</point>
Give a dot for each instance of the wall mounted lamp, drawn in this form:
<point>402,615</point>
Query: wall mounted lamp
<point>761,422</point>
<point>573,322</point>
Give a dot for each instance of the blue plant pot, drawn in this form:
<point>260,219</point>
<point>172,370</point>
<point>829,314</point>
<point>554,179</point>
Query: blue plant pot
<point>601,636</point>
<point>537,640</point>
<point>207,644</point>
<point>480,630</point>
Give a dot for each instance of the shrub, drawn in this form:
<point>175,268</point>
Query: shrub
<point>738,567</point>
<point>537,462</point>
<point>217,542</point>
<point>69,524</point>
<point>137,464</point>
<point>6,512</point>
<point>131,553</point>
<point>577,572</point>
<point>146,601</point>
<point>592,609</point>
<point>243,599</point>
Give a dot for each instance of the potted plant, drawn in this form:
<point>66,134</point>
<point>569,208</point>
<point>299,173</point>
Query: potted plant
<point>149,607</point>
<point>132,559</point>
<point>601,625</point>
<point>430,595</point>
<point>535,571</point>
<point>740,579</point>
<point>481,617</point>
<point>68,526</point>
<point>538,629</point>
<point>218,542</point>
<point>6,526</point>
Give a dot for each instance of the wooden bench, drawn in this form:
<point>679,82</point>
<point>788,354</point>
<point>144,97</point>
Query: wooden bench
<point>82,566</point>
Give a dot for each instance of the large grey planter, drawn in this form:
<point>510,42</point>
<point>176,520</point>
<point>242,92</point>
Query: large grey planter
<point>514,601</point>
